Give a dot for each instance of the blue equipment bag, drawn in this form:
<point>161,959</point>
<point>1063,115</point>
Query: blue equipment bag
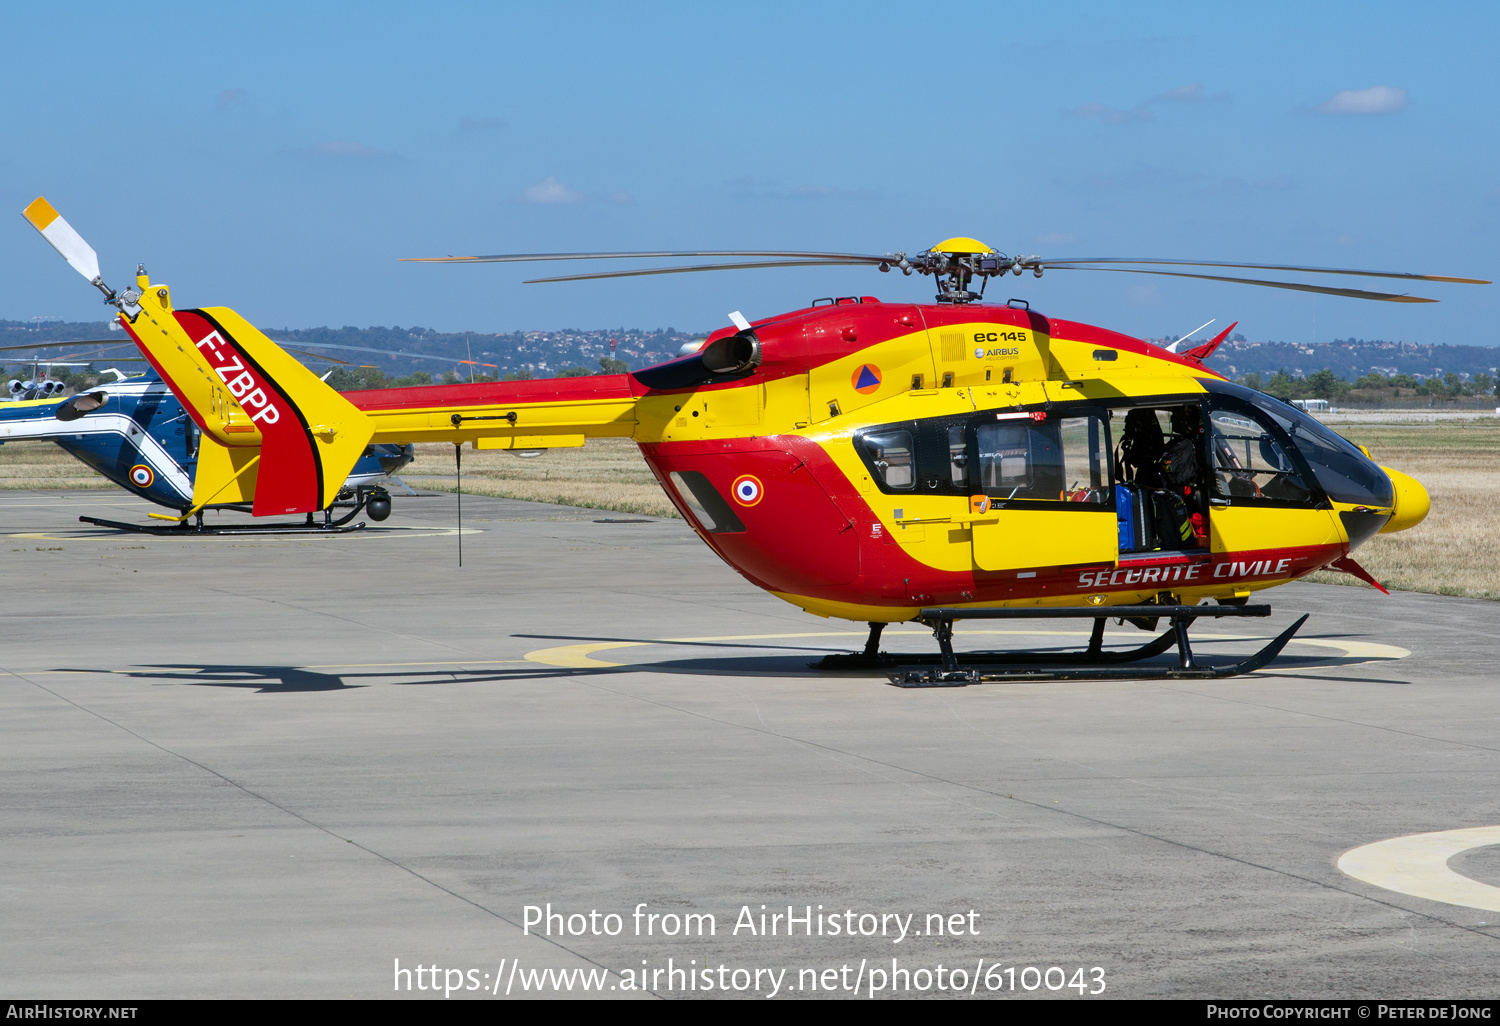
<point>1126,499</point>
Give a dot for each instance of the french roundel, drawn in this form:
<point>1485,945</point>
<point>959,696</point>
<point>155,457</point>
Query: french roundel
<point>747,490</point>
<point>866,379</point>
<point>141,476</point>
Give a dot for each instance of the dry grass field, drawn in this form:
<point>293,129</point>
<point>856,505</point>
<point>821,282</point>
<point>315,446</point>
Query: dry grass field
<point>1455,551</point>
<point>608,473</point>
<point>29,464</point>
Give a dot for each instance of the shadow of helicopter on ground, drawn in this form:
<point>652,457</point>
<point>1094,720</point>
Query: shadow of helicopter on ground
<point>763,660</point>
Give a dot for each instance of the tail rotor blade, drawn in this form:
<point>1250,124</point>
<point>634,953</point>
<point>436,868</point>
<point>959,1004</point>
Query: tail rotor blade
<point>79,254</point>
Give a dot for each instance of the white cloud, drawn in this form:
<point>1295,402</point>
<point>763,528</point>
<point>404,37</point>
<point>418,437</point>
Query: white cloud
<point>1110,115</point>
<point>341,150</point>
<point>1192,93</point>
<point>1181,94</point>
<point>550,190</point>
<point>482,124</point>
<point>774,189</point>
<point>1145,297</point>
<point>1375,100</point>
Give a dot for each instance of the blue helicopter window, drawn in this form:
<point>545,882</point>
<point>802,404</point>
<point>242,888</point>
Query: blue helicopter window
<point>1055,459</point>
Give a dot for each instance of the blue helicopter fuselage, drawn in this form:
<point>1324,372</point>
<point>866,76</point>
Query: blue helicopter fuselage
<point>139,437</point>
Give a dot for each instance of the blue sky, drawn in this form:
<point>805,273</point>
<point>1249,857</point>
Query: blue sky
<point>279,158</point>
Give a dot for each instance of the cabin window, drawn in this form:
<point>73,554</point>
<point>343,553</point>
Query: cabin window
<point>958,458</point>
<point>1054,459</point>
<point>888,452</point>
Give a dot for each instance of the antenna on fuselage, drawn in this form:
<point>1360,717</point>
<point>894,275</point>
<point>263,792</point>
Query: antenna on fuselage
<point>1189,336</point>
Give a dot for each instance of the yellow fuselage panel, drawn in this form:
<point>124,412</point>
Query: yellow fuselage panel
<point>1253,528</point>
<point>1016,539</point>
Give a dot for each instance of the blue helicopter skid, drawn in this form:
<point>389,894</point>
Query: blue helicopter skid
<point>198,530</point>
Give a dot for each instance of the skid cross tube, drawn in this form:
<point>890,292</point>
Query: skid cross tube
<point>1181,617</point>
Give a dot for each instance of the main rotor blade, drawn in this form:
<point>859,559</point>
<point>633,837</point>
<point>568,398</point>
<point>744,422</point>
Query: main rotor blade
<point>112,342</point>
<point>89,354</point>
<point>702,267</point>
<point>505,258</point>
<point>363,349</point>
<point>1387,297</point>
<point>1269,267</point>
<point>315,356</point>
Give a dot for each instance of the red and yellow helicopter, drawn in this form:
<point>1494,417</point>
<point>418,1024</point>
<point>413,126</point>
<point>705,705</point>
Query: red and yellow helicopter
<point>874,461</point>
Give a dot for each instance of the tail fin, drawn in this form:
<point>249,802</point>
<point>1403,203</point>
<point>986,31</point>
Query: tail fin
<point>246,393</point>
<point>1200,353</point>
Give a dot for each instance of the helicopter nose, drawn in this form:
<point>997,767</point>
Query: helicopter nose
<point>1412,502</point>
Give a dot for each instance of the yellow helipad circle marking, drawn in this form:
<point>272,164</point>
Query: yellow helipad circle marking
<point>577,656</point>
<point>1418,865</point>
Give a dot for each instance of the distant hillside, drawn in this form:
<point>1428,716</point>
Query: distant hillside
<point>1352,358</point>
<point>547,353</point>
<point>538,353</point>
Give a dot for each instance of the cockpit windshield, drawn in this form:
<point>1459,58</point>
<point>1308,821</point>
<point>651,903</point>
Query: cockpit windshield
<point>1345,473</point>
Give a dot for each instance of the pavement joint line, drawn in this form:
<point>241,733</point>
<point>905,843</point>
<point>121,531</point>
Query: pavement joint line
<point>316,826</point>
<point>335,616</point>
<point>1324,716</point>
<point>1084,817</point>
<point>1228,798</point>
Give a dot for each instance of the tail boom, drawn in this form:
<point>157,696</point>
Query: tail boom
<point>280,434</point>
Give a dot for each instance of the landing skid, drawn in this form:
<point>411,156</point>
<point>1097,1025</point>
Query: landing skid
<point>1093,664</point>
<point>198,528</point>
<point>1095,655</point>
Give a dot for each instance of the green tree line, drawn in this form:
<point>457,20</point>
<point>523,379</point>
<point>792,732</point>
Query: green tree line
<point>1325,384</point>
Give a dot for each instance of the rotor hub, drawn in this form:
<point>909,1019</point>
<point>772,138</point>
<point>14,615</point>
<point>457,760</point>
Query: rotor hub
<point>956,262</point>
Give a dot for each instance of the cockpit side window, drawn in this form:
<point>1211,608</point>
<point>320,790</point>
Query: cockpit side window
<point>1250,462</point>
